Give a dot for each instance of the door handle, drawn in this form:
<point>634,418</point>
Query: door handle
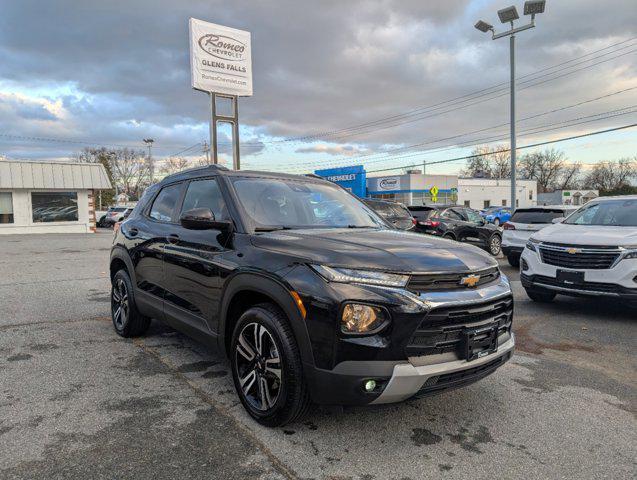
<point>173,238</point>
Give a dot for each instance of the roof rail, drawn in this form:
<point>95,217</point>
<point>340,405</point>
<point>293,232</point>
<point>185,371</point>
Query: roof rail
<point>195,169</point>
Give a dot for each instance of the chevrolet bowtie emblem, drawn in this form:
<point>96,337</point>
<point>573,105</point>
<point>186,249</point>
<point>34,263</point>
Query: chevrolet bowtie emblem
<point>470,280</point>
<point>572,250</point>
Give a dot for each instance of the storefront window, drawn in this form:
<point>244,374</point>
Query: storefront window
<point>54,206</point>
<point>6,207</point>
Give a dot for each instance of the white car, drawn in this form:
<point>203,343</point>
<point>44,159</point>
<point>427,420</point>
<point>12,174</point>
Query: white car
<point>593,252</point>
<point>526,221</point>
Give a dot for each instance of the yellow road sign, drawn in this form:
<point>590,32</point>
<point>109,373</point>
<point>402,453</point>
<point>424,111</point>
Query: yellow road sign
<point>434,191</point>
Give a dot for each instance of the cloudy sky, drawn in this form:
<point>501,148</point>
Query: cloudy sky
<point>386,83</point>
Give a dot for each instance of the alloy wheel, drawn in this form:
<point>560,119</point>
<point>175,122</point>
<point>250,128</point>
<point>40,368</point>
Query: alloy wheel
<point>495,245</point>
<point>119,303</point>
<point>258,366</point>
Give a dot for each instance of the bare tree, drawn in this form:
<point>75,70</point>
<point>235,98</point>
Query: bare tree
<point>174,165</point>
<point>606,176</point>
<point>131,170</point>
<point>545,167</point>
<point>570,177</point>
<point>489,162</point>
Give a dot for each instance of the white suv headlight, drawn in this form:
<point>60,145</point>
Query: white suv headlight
<point>348,275</point>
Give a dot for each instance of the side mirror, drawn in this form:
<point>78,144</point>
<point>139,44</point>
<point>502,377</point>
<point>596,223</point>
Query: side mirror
<point>557,220</point>
<point>202,219</point>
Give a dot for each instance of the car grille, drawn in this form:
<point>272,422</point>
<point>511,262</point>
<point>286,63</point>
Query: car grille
<point>582,258</point>
<point>449,281</point>
<point>442,330</point>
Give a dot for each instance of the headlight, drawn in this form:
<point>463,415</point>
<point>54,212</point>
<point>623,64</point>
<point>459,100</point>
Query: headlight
<point>630,255</point>
<point>531,244</point>
<point>359,318</point>
<point>347,275</point>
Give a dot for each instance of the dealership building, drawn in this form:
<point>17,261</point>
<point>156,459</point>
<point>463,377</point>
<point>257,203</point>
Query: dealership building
<point>416,188</point>
<point>49,197</point>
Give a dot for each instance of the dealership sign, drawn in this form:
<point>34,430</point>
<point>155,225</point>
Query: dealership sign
<point>220,59</point>
<point>390,183</point>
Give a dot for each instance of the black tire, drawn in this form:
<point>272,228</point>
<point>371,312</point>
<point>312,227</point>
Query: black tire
<point>514,260</point>
<point>449,236</point>
<point>287,397</point>
<point>127,320</point>
<point>542,296</point>
<point>494,246</point>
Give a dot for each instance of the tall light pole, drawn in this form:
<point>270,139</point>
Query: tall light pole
<point>509,15</point>
<point>149,143</point>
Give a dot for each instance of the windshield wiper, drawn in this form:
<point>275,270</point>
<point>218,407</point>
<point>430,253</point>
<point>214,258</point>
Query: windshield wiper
<point>361,226</point>
<point>272,228</point>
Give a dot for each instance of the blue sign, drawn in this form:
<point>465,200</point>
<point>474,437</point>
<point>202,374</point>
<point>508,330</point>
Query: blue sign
<point>352,178</point>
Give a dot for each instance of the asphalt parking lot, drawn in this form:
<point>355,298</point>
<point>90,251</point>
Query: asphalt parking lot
<point>77,401</point>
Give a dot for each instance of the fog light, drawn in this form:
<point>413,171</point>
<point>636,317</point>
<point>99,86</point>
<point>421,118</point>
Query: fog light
<point>358,318</point>
<point>370,385</point>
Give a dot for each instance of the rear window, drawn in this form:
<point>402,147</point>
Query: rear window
<point>536,216</point>
<point>422,213</point>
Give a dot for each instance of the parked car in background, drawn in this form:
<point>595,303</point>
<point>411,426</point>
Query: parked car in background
<point>114,215</point>
<point>498,215</point>
<point>457,223</point>
<point>334,310</point>
<point>526,221</point>
<point>593,252</point>
<point>395,213</point>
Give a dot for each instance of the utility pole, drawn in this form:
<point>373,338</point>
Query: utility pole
<point>206,152</point>
<point>149,143</point>
<point>509,15</point>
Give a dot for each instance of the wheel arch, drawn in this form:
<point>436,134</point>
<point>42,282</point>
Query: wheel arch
<point>120,259</point>
<point>246,290</point>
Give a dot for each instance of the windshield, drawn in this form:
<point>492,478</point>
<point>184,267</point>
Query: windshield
<point>616,213</point>
<point>273,203</point>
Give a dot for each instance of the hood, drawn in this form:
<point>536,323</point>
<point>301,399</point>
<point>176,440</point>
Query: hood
<point>389,250</point>
<point>588,235</point>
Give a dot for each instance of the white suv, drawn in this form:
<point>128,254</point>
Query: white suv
<point>524,223</point>
<point>593,252</point>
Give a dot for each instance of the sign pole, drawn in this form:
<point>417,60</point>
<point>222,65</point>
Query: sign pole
<point>213,129</point>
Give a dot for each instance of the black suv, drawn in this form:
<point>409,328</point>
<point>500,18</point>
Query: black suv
<point>311,295</point>
<point>394,213</point>
<point>458,223</point>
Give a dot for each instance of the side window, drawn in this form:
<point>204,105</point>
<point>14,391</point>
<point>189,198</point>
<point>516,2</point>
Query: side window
<point>165,202</point>
<point>450,214</point>
<point>205,194</point>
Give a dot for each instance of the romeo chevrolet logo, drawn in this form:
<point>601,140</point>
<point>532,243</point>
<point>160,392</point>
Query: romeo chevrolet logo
<point>470,280</point>
<point>572,250</point>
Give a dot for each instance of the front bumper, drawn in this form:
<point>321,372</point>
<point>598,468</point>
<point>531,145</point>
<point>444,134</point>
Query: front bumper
<point>408,380</point>
<point>615,282</point>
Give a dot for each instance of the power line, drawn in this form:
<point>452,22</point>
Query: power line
<point>386,154</point>
<point>539,144</point>
<point>479,99</point>
<point>530,131</point>
<point>421,109</point>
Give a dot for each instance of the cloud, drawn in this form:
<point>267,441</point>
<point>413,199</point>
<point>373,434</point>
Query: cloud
<point>336,150</point>
<point>119,71</point>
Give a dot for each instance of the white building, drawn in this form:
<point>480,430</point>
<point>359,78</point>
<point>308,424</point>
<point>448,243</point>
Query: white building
<point>414,188</point>
<point>49,197</point>
<point>567,197</point>
<point>479,193</point>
